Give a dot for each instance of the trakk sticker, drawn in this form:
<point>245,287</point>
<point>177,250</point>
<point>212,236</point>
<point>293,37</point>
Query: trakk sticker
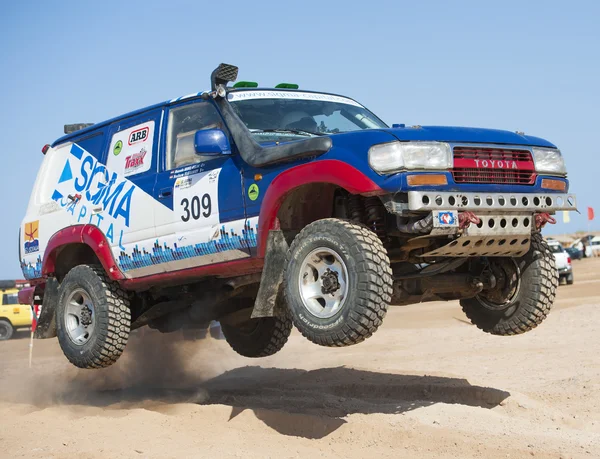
<point>32,242</point>
<point>135,162</point>
<point>132,150</point>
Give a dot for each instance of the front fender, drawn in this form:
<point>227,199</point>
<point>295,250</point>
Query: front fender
<point>331,171</point>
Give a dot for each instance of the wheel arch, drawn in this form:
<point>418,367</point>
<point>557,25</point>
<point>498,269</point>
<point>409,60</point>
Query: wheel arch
<point>294,185</point>
<point>78,244</point>
<point>6,319</point>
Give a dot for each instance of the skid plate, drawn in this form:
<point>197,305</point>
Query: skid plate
<point>501,245</point>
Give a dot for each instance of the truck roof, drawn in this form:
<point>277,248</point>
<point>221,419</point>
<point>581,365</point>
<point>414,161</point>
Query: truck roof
<point>92,128</point>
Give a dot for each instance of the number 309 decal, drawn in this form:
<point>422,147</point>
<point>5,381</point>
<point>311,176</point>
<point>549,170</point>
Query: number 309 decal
<point>192,209</point>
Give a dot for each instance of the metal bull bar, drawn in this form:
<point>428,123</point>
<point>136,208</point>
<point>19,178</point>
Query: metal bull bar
<point>509,202</point>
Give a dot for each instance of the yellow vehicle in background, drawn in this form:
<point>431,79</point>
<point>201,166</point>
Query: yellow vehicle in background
<point>12,314</point>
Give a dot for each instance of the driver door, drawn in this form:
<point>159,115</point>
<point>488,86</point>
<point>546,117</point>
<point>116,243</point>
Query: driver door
<point>201,218</point>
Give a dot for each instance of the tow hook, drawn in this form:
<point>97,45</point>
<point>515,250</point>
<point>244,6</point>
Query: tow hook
<point>466,218</point>
<point>542,218</point>
<point>74,199</point>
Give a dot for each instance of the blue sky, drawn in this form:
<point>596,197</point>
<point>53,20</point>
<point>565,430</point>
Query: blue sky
<point>531,66</point>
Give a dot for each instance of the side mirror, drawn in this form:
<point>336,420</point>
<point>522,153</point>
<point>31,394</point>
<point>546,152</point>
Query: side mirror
<point>211,142</point>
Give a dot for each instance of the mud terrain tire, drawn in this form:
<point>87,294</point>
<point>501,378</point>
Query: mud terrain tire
<point>360,267</point>
<point>532,302</point>
<point>88,296</point>
<point>259,337</point>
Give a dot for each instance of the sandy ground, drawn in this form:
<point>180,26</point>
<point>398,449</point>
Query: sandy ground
<point>427,385</point>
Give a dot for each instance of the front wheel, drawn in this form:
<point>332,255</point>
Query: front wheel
<point>338,282</point>
<point>523,295</point>
<point>93,318</point>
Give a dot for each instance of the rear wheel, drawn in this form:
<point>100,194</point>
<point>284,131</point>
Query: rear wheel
<point>6,330</point>
<point>93,317</point>
<point>523,295</point>
<point>570,279</point>
<point>259,337</point>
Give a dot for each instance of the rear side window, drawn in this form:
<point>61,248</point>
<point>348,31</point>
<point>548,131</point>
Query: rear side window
<point>94,144</point>
<point>183,124</point>
<point>10,298</point>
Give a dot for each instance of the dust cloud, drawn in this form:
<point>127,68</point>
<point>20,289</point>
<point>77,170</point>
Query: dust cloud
<point>154,366</point>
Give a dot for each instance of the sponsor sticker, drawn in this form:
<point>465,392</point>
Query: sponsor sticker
<point>298,95</point>
<point>447,218</point>
<point>139,135</point>
<point>253,192</point>
<point>134,162</point>
<point>183,182</point>
<point>117,148</point>
<point>32,242</point>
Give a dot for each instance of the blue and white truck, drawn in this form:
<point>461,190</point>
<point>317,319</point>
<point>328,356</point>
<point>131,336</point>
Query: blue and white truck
<point>265,208</point>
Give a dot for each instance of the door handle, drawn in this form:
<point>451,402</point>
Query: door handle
<point>165,193</point>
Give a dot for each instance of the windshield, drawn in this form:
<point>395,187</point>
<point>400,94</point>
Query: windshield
<point>556,248</point>
<point>275,116</point>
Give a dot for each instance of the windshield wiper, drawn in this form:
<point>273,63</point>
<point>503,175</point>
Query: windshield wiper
<point>292,131</point>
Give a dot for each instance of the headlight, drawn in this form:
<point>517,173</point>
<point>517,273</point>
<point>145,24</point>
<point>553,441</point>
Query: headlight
<point>391,157</point>
<point>549,161</point>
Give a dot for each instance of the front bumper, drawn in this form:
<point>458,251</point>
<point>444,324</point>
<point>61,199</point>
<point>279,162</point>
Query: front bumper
<point>506,202</point>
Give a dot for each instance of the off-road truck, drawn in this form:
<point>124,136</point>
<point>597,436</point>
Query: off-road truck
<point>267,207</point>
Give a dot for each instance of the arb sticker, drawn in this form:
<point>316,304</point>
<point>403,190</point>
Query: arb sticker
<point>32,243</point>
<point>139,135</point>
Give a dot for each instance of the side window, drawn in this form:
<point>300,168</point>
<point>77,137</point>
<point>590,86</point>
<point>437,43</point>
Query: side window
<point>183,124</point>
<point>94,144</point>
<point>10,298</point>
<point>130,151</point>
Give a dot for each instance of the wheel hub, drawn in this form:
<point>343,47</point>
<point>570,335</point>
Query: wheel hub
<point>505,286</point>
<point>86,316</point>
<point>330,281</point>
<point>323,282</point>
<point>79,317</point>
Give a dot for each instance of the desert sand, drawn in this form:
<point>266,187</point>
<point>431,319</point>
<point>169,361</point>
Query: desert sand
<point>426,385</point>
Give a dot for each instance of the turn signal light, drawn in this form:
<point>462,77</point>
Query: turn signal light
<point>427,179</point>
<point>551,184</point>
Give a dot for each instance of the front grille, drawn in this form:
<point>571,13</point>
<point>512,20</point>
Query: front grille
<point>505,166</point>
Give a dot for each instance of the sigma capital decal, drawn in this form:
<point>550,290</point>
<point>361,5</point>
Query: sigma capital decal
<point>89,192</point>
<point>93,194</point>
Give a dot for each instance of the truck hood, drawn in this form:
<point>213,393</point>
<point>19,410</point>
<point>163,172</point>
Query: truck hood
<point>465,135</point>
